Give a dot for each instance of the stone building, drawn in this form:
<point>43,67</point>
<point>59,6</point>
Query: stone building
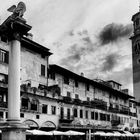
<point>53,97</point>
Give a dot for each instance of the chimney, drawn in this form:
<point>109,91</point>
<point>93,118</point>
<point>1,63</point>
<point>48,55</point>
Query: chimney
<point>30,36</point>
<point>82,74</point>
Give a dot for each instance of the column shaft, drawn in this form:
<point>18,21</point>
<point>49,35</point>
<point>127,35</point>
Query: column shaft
<point>14,82</point>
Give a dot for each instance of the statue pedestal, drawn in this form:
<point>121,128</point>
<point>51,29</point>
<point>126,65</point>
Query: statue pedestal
<point>13,131</point>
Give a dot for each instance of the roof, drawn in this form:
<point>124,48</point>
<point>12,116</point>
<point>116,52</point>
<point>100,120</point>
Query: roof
<point>60,70</point>
<point>30,44</point>
<point>135,15</point>
<point>114,82</point>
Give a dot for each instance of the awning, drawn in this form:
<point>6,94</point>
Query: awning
<point>54,132</point>
<point>127,133</point>
<point>118,134</point>
<point>73,133</point>
<point>101,133</point>
<point>37,132</point>
<point>108,134</point>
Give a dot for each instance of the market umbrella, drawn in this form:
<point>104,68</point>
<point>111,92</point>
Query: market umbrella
<point>117,134</point>
<point>108,134</point>
<point>73,133</point>
<point>38,132</point>
<point>101,133</point>
<point>54,132</point>
<point>127,133</point>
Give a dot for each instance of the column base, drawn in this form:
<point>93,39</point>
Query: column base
<point>13,130</point>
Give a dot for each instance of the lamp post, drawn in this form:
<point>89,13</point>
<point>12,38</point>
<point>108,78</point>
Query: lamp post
<point>14,27</point>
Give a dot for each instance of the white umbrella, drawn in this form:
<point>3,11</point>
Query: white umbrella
<point>108,134</point>
<point>73,133</point>
<point>137,134</point>
<point>37,132</point>
<point>116,133</point>
<point>127,133</point>
<point>101,133</point>
<point>54,132</point>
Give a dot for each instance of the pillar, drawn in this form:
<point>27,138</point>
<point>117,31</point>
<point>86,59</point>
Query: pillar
<point>13,129</point>
<point>14,82</point>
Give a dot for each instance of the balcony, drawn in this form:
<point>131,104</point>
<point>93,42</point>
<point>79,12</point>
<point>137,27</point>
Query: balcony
<point>3,104</point>
<point>66,119</point>
<point>87,103</point>
<point>133,114</point>
<point>77,101</point>
<point>115,122</point>
<point>125,111</point>
<point>114,110</point>
<point>67,99</point>
<point>99,104</point>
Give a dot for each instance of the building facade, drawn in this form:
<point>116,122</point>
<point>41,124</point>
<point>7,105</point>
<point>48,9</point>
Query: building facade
<point>53,97</point>
<point>136,54</point>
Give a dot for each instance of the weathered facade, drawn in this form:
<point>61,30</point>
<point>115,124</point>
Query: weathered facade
<point>91,103</point>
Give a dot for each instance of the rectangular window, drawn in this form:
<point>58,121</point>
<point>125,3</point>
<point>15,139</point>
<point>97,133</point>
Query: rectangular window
<point>76,83</point>
<point>75,112</point>
<point>62,112</point>
<point>87,87</point>
<point>37,116</point>
<point>51,74</point>
<point>108,117</point>
<point>96,115</point>
<point>24,103</point>
<point>76,96</point>
<point>53,109</point>
<point>68,94</point>
<point>4,56</point>
<point>92,115</point>
<point>22,115</point>
<point>34,105</point>
<point>81,113</point>
<point>134,105</point>
<point>42,70</point>
<point>66,80</point>
<point>6,114</point>
<point>88,99</point>
<point>1,115</point>
<point>68,113</point>
<point>44,108</point>
<point>86,114</point>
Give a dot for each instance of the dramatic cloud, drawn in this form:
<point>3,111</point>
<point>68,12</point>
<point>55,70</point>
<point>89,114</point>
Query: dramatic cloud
<point>110,62</point>
<point>112,32</point>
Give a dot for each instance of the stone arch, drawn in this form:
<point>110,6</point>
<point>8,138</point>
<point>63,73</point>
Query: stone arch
<point>48,125</point>
<point>31,124</point>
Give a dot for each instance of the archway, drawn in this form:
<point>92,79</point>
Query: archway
<point>48,126</point>
<point>31,124</point>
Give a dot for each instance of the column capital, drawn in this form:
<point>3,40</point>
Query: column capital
<point>14,28</point>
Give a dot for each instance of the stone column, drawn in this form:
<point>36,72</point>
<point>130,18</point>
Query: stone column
<point>14,81</point>
<point>13,129</point>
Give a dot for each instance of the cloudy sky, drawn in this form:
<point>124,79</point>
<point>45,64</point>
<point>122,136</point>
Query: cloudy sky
<point>89,36</point>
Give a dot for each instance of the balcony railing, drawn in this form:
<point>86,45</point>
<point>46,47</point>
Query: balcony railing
<point>87,103</point>
<point>66,119</point>
<point>67,99</point>
<point>99,104</point>
<point>3,104</point>
<point>115,110</point>
<point>115,122</point>
<point>77,101</point>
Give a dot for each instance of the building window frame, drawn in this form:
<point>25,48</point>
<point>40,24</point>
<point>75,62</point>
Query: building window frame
<point>43,70</point>
<point>53,110</point>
